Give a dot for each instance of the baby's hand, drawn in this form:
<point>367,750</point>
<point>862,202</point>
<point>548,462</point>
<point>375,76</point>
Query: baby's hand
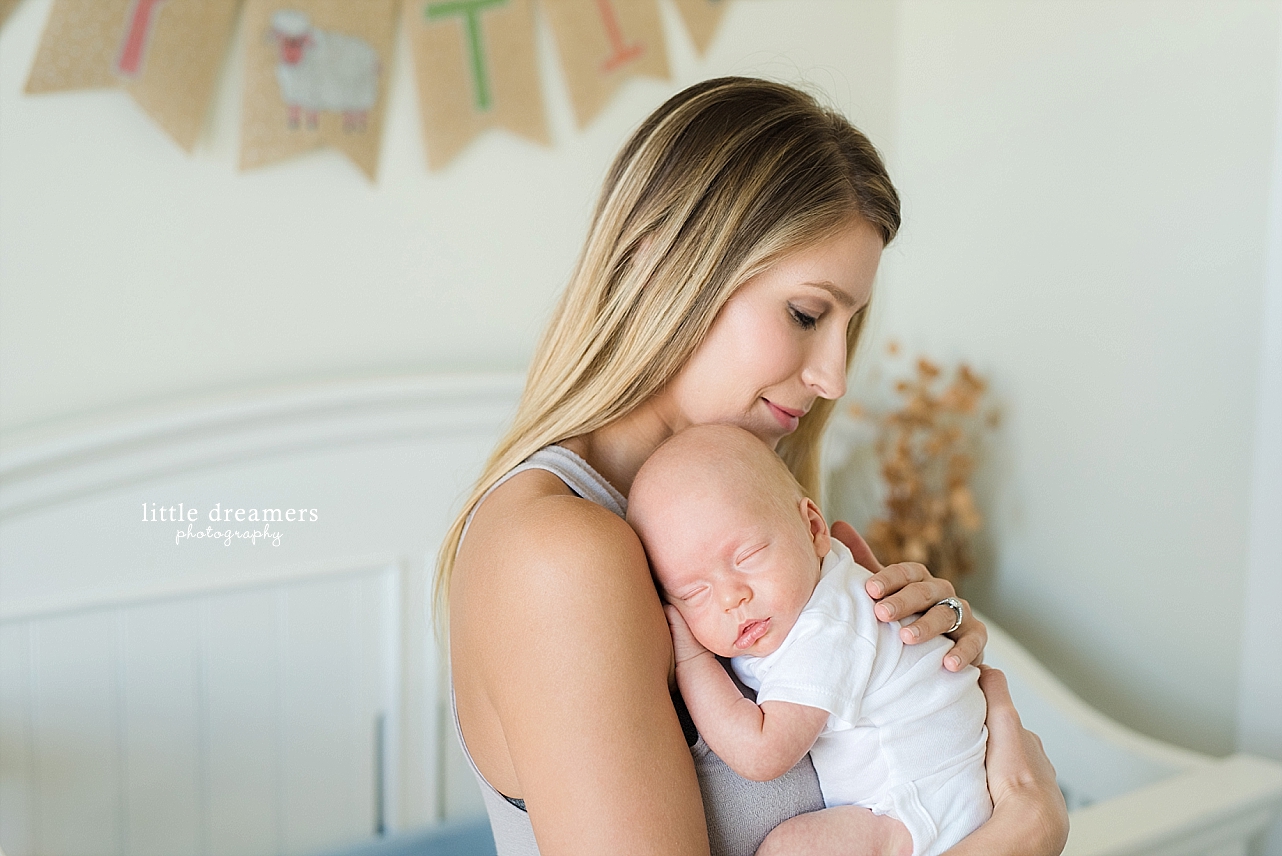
<point>684,645</point>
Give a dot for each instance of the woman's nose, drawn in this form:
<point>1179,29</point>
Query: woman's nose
<point>825,370</point>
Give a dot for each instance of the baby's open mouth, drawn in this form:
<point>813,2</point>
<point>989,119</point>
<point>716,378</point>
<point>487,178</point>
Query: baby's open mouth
<point>750,632</point>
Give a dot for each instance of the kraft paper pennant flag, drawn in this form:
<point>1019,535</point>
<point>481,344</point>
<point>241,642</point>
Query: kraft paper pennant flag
<point>315,75</point>
<point>170,55</point>
<point>6,6</point>
<point>79,47</point>
<point>701,18</point>
<point>604,42</point>
<point>165,53</point>
<point>476,69</point>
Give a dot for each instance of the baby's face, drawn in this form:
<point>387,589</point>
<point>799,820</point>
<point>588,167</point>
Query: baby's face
<point>738,571</point>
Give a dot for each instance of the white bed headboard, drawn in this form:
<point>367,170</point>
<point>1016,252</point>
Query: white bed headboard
<point>187,695</point>
<point>190,696</point>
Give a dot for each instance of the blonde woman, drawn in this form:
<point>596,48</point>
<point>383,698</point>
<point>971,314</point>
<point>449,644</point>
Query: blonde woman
<point>725,278</point>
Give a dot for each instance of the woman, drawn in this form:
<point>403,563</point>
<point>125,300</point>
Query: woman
<point>725,278</point>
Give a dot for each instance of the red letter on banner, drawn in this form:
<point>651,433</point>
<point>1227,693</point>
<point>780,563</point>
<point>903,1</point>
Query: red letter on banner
<point>134,46</point>
<point>622,53</point>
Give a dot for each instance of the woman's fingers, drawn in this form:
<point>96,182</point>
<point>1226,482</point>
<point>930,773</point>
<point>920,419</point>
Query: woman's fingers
<point>1016,758</point>
<point>909,589</point>
<point>1018,769</point>
<point>921,593</point>
<point>1010,761</point>
<point>969,641</point>
<point>1002,714</point>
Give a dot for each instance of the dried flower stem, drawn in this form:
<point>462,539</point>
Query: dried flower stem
<point>927,454</point>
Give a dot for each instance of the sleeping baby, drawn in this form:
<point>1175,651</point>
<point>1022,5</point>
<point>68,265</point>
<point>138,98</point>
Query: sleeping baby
<point>749,572</point>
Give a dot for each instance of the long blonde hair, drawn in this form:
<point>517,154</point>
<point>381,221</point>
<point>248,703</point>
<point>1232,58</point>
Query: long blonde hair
<point>724,179</point>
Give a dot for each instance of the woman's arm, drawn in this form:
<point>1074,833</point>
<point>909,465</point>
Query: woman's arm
<point>565,630</point>
<point>1029,814</point>
<point>907,588</point>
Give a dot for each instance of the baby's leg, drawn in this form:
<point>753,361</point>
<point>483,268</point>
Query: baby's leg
<point>845,830</point>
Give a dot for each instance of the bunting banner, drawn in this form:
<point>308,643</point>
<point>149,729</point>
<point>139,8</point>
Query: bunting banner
<point>315,75</point>
<point>702,17</point>
<point>165,53</point>
<point>316,71</point>
<point>79,47</point>
<point>6,6</point>
<point>476,69</point>
<point>602,43</point>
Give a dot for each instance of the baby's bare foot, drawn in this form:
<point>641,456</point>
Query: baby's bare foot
<point>841,831</point>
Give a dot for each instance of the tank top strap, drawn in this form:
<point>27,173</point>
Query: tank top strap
<point>577,474</point>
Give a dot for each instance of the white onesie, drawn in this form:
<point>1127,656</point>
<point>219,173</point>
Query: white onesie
<point>905,737</point>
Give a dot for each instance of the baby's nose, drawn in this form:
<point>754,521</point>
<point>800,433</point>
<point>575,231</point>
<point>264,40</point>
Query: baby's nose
<point>735,595</point>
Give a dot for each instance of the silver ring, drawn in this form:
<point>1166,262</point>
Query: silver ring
<point>956,606</point>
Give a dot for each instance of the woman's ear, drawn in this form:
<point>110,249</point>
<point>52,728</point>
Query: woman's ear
<point>818,528</point>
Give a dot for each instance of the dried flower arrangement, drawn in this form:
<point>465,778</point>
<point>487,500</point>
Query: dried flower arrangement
<point>927,451</point>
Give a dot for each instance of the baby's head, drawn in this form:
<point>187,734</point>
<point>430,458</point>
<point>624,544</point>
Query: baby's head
<point>732,540</point>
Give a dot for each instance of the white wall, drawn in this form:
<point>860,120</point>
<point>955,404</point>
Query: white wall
<point>1085,189</point>
<point>130,271</point>
<point>1260,690</point>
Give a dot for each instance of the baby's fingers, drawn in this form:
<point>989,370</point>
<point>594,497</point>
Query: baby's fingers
<point>684,645</point>
<point>676,623</point>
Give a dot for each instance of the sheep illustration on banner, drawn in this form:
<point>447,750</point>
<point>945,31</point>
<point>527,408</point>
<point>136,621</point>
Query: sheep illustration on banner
<point>315,75</point>
<point>476,69</point>
<point>602,43</point>
<point>701,18</point>
<point>165,53</point>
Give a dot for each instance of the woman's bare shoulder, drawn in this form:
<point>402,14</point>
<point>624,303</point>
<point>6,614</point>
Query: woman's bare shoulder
<point>553,609</point>
<point>537,553</point>
<point>535,521</point>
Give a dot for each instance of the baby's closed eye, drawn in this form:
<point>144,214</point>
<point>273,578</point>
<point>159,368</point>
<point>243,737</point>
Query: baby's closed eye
<point>692,596</point>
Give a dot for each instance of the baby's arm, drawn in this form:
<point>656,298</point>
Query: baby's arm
<point>757,742</point>
<point>764,742</point>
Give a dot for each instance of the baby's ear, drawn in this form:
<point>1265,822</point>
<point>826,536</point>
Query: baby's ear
<point>818,528</point>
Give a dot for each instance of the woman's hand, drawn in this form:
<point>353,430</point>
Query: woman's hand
<point>1029,814</point>
<point>908,588</point>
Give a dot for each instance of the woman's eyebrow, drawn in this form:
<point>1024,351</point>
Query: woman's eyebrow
<point>837,294</point>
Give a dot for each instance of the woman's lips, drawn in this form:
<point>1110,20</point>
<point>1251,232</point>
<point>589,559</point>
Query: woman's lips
<point>786,416</point>
<point>750,632</point>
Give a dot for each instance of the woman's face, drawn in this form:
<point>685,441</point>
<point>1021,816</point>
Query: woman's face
<point>779,342</point>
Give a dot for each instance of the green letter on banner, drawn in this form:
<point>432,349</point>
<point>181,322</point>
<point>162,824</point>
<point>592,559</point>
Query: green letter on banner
<point>471,10</point>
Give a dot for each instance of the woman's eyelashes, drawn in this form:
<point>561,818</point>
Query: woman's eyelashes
<point>804,319</point>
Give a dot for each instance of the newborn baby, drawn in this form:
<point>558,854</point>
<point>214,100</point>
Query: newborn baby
<point>749,571</point>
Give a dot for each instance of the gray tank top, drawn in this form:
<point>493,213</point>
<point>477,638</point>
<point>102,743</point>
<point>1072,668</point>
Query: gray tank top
<point>740,813</point>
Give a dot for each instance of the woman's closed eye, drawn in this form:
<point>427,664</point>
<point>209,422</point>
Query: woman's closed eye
<point>804,319</point>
